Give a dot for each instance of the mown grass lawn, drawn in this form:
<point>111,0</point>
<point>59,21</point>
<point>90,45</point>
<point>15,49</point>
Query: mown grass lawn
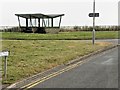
<point>28,57</point>
<point>61,36</point>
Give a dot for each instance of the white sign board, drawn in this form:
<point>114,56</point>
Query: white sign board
<point>4,53</point>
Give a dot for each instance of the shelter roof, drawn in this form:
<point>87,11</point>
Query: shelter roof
<point>39,15</point>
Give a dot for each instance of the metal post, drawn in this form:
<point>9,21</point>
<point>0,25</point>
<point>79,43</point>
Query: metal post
<point>39,22</point>
<point>60,21</point>
<point>44,22</point>
<point>19,21</point>
<point>26,22</point>
<point>31,21</point>
<point>48,22</point>
<point>93,38</point>
<point>35,22</point>
<point>5,67</point>
<point>51,22</point>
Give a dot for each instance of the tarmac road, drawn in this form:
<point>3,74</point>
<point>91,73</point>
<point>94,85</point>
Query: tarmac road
<point>100,71</point>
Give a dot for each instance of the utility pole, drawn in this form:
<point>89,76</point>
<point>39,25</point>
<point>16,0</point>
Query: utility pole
<point>93,37</point>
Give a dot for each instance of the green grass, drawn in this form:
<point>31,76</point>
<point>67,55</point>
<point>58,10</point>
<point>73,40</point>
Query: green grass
<point>28,57</point>
<point>61,35</point>
<point>34,53</point>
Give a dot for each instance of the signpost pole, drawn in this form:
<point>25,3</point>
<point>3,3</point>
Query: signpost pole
<point>5,54</point>
<point>93,38</point>
<point>5,67</point>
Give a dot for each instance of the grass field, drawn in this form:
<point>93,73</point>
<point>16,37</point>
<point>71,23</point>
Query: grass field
<point>33,53</point>
<point>61,36</point>
<point>28,57</point>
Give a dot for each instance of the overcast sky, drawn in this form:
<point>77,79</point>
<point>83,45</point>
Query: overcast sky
<point>76,11</point>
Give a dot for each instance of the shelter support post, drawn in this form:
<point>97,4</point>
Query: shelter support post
<point>26,22</point>
<point>44,22</point>
<point>48,22</point>
<point>19,21</point>
<point>60,21</point>
<point>35,22</point>
<point>31,21</point>
<point>39,22</point>
<point>51,22</point>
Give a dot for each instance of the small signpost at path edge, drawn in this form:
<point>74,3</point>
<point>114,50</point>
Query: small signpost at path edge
<point>5,54</point>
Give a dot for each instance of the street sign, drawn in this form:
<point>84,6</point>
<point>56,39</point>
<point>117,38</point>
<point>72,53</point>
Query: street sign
<point>93,14</point>
<point>4,53</point>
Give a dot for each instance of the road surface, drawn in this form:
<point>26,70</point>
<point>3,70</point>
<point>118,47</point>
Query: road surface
<point>99,71</point>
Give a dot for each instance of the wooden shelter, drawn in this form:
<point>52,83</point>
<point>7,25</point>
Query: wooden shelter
<point>42,22</point>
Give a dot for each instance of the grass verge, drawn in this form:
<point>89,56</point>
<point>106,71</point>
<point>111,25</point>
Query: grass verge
<point>29,57</point>
<point>61,36</point>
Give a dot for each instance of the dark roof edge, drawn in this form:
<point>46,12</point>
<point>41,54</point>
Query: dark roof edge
<point>39,15</point>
